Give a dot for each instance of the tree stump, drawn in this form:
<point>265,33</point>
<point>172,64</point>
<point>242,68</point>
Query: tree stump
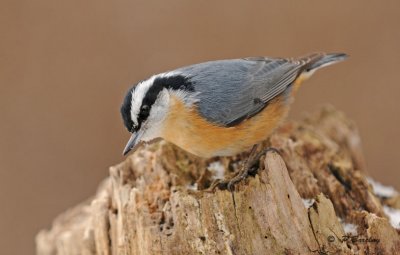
<point>313,197</point>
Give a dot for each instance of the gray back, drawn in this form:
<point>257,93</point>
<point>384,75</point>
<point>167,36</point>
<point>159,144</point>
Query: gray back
<point>233,90</point>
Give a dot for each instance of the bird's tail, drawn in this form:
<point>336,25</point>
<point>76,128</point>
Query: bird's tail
<point>313,62</point>
<point>318,60</point>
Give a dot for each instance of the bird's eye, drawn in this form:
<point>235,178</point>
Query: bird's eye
<point>145,109</point>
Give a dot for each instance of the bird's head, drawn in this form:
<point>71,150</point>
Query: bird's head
<point>146,106</point>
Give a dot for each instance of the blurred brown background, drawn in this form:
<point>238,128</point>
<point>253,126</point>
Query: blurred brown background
<point>66,65</point>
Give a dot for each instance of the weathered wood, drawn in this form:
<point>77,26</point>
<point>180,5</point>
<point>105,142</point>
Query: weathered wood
<point>301,201</point>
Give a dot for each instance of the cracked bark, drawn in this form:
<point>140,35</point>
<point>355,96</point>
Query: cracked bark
<point>148,204</point>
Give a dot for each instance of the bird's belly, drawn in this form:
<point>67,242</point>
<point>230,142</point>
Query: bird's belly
<point>194,134</point>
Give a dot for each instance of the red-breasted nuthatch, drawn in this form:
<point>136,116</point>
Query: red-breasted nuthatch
<point>217,108</point>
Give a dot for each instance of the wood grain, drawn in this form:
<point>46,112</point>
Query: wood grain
<point>150,204</point>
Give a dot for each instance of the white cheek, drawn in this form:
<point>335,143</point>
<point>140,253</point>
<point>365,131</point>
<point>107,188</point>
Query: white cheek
<point>158,113</point>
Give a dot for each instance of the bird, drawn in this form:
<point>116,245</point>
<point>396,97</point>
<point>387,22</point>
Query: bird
<point>220,107</point>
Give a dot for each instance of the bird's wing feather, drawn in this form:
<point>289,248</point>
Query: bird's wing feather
<point>230,91</point>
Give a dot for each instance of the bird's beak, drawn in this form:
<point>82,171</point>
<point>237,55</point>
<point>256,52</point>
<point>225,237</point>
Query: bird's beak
<point>133,142</point>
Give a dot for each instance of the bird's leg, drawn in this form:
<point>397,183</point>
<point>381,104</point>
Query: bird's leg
<point>248,165</point>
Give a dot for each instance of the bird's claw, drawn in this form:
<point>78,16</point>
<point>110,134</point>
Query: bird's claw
<point>242,174</point>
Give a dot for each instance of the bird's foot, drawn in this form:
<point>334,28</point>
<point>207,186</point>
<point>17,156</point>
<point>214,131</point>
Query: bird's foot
<point>250,166</point>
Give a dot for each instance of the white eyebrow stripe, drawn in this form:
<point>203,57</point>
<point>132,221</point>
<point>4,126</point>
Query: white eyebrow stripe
<point>140,91</point>
<point>137,97</point>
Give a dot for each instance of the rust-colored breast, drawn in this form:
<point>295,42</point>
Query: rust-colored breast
<point>187,129</point>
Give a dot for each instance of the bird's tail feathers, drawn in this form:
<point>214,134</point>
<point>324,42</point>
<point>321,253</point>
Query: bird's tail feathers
<point>319,60</point>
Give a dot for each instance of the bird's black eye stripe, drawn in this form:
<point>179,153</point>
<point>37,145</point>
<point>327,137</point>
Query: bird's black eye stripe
<point>134,128</point>
<point>145,109</point>
<point>175,82</point>
<point>144,113</point>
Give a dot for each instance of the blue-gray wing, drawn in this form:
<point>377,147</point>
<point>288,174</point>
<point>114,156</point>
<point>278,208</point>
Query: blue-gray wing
<point>230,91</point>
